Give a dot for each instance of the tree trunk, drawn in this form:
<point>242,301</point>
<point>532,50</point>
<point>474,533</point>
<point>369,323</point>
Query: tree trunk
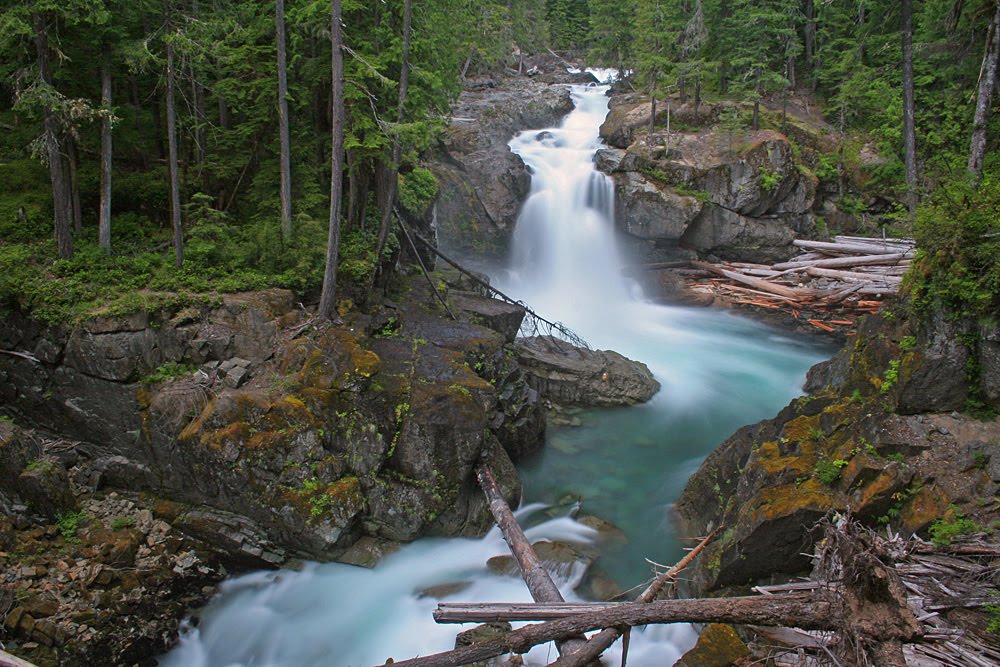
<point>198,108</point>
<point>397,144</point>
<point>328,299</point>
<point>984,102</point>
<point>809,34</point>
<point>756,100</point>
<point>538,581</point>
<point>76,210</point>
<point>909,124</point>
<point>283,132</point>
<point>104,217</point>
<point>174,175</point>
<point>61,209</point>
<point>225,117</point>
<point>697,96</point>
<point>806,611</point>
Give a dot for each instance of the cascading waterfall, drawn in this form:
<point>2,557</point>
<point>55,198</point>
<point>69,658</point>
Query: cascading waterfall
<point>718,372</point>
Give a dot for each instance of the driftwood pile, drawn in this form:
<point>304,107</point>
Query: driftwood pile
<point>830,283</point>
<point>871,600</point>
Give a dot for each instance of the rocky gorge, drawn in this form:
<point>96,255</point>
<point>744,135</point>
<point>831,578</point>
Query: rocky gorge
<point>150,454</point>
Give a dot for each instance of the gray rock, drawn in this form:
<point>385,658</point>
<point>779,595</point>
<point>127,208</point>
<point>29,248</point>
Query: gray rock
<point>500,316</point>
<point>651,211</point>
<point>236,377</point>
<point>569,375</point>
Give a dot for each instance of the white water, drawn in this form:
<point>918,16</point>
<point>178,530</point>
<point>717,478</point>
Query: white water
<point>334,615</point>
<point>718,372</point>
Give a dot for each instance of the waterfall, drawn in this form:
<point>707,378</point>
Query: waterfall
<point>564,258</point>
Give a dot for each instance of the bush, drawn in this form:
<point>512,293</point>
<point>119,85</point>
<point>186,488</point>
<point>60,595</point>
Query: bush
<point>958,234</point>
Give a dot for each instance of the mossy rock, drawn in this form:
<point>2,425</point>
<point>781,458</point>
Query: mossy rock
<point>718,646</point>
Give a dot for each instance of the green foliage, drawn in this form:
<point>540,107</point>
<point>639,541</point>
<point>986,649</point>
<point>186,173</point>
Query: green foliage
<point>769,180</point>
<point>943,531</point>
<point>890,377</point>
<point>993,625</point>
<point>122,522</point>
<point>958,234</point>
<point>69,523</point>
<point>169,371</point>
<point>828,471</point>
<point>417,190</point>
<point>908,343</point>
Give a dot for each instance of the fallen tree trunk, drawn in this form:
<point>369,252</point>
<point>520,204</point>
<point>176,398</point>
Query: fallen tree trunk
<point>538,581</point>
<point>780,290</point>
<point>491,612</point>
<point>813,611</point>
<point>608,636</point>
<point>855,248</point>
<point>852,260</point>
<point>852,276</point>
<point>8,660</point>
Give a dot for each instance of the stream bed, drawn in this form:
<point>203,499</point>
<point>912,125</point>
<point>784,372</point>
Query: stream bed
<point>627,465</point>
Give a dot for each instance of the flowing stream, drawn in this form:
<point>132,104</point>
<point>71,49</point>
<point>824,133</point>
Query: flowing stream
<point>718,372</point>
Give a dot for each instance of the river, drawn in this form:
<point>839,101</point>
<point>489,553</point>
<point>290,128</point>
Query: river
<point>717,371</point>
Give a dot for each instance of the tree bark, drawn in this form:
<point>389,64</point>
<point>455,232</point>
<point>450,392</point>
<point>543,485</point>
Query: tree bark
<point>104,217</point>
<point>909,122</point>
<point>61,207</point>
<point>538,581</point>
<point>328,298</point>
<point>397,144</point>
<point>984,101</point>
<point>283,131</point>
<point>76,210</point>
<point>756,100</point>
<point>174,175</point>
<point>806,611</point>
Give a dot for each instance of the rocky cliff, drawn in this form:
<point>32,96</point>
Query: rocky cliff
<point>878,435</point>
<point>707,186</point>
<point>253,434</point>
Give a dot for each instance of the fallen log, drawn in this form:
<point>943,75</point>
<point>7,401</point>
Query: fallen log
<point>8,660</point>
<point>538,581</point>
<point>492,612</point>
<point>609,635</point>
<point>795,294</point>
<point>853,260</point>
<point>909,243</point>
<point>812,611</point>
<point>845,248</point>
<point>851,276</point>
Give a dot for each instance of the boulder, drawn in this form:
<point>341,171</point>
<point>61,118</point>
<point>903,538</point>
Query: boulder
<point>649,210</point>
<point>729,235</point>
<point>500,316</point>
<point>718,646</point>
<point>568,375</point>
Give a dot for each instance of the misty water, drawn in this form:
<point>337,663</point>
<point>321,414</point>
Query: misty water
<point>717,372</point>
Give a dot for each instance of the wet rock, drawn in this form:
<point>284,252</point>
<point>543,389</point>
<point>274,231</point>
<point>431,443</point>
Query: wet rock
<point>483,633</point>
<point>558,558</point>
<point>44,485</point>
<point>500,316</point>
<point>481,183</point>
<point>442,591</point>
<point>568,375</point>
<point>718,646</point>
<point>652,211</point>
<point>368,551</point>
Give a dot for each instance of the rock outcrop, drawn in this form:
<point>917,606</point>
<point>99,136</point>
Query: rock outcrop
<point>568,375</point>
<point>279,436</point>
<point>482,184</point>
<point>875,437</point>
<point>734,194</point>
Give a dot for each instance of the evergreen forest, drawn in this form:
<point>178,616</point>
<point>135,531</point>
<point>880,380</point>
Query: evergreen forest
<point>191,146</point>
